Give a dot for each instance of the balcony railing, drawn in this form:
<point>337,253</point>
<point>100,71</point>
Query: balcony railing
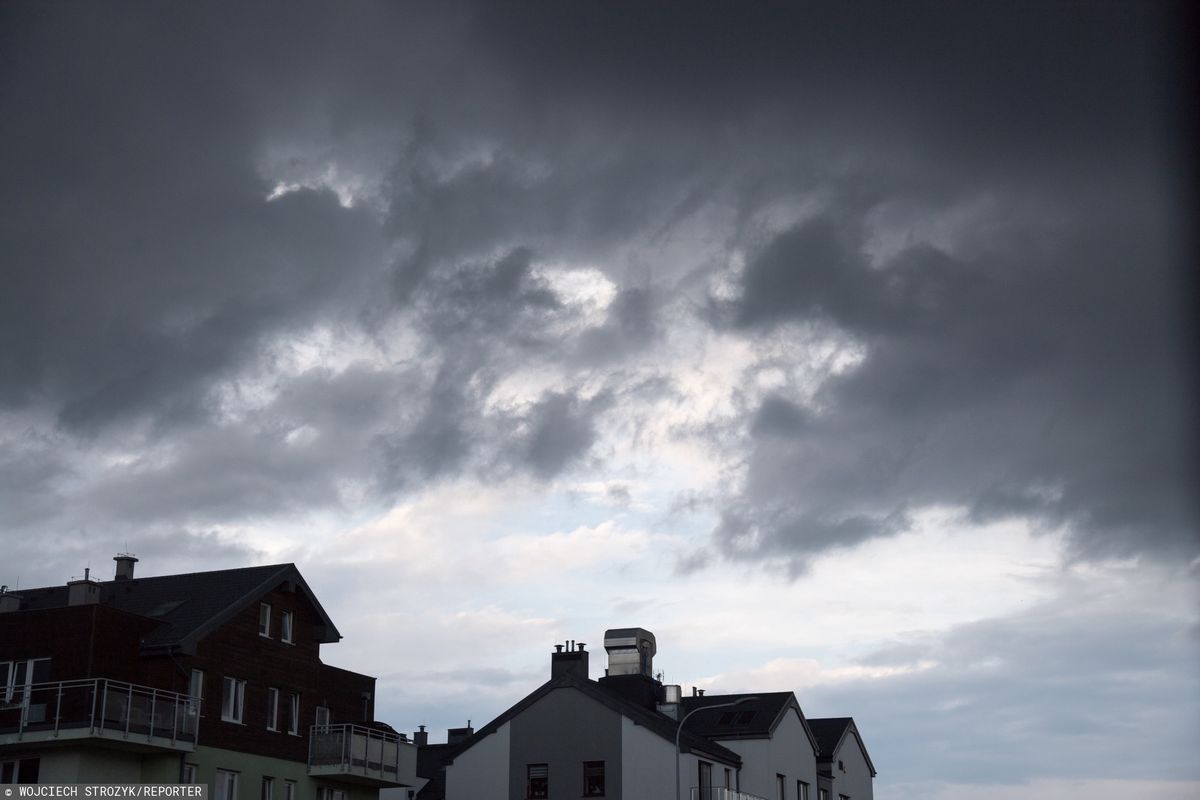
<point>365,754</point>
<point>99,708</point>
<point>721,793</point>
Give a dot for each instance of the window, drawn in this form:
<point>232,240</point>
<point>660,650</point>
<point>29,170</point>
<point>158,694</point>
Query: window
<point>780,787</point>
<point>843,797</point>
<point>17,676</point>
<point>285,628</point>
<point>726,718</point>
<point>537,781</point>
<point>268,788</point>
<point>233,697</point>
<point>705,775</point>
<point>294,714</point>
<point>801,790</point>
<point>841,765</point>
<point>325,793</point>
<point>21,770</point>
<point>272,709</point>
<point>264,619</point>
<point>728,778</point>
<point>289,790</point>
<point>227,785</point>
<point>593,779</point>
<point>188,774</point>
<point>822,794</point>
<point>322,718</point>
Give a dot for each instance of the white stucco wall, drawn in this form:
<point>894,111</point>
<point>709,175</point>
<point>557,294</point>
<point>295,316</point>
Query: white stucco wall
<point>648,771</point>
<point>788,752</point>
<point>647,764</point>
<point>83,765</point>
<point>481,772</point>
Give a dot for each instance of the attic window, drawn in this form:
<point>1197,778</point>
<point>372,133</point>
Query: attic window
<point>285,627</point>
<point>264,620</point>
<point>745,717</point>
<point>726,718</point>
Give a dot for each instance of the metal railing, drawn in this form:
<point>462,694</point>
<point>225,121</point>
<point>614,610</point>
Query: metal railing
<point>354,749</point>
<point>721,793</point>
<point>99,707</point>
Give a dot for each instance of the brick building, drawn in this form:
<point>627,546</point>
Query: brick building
<point>209,677</point>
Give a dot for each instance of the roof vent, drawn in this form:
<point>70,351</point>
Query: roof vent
<point>125,562</point>
<point>630,651</point>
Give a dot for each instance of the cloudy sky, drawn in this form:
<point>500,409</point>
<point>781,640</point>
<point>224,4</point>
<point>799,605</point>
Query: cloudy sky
<point>845,348</point>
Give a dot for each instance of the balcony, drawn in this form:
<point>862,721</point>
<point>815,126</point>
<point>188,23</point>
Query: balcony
<point>720,793</point>
<point>139,717</point>
<point>362,755</point>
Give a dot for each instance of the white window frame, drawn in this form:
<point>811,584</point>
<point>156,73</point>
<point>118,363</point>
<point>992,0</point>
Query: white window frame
<point>226,785</point>
<point>268,788</point>
<point>287,626</point>
<point>321,718</point>
<point>294,714</point>
<point>264,620</point>
<point>189,774</point>
<point>272,709</point>
<point>802,791</point>
<point>289,790</point>
<point>233,700</point>
<point>8,683</point>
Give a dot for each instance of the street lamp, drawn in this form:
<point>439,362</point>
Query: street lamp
<point>679,731</point>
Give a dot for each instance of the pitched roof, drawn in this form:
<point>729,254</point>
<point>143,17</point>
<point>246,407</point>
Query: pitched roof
<point>191,605</point>
<point>831,731</point>
<point>755,715</point>
<point>652,721</point>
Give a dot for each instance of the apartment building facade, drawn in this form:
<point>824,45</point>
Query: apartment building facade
<point>212,677</point>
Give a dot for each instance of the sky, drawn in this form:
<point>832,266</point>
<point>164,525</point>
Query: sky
<point>846,347</point>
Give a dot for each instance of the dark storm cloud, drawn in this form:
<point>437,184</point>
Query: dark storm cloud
<point>1049,382</point>
<point>142,266</point>
<point>141,260</point>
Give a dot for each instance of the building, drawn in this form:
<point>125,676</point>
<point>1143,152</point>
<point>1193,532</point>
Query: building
<point>208,677</point>
<point>844,767</point>
<point>768,730</point>
<point>629,737</point>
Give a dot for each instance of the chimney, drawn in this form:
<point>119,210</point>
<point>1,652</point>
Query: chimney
<point>569,658</point>
<point>456,735</point>
<point>83,592</point>
<point>9,602</point>
<point>125,562</point>
<point>421,736</point>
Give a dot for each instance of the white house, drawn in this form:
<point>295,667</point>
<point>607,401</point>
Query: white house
<point>842,759</point>
<point>768,730</point>
<point>621,738</point>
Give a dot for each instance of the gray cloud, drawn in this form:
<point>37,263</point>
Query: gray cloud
<point>1036,372</point>
<point>1054,690</point>
<point>1045,381</point>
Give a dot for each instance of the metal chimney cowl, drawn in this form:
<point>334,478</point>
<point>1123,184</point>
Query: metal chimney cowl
<point>630,651</point>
